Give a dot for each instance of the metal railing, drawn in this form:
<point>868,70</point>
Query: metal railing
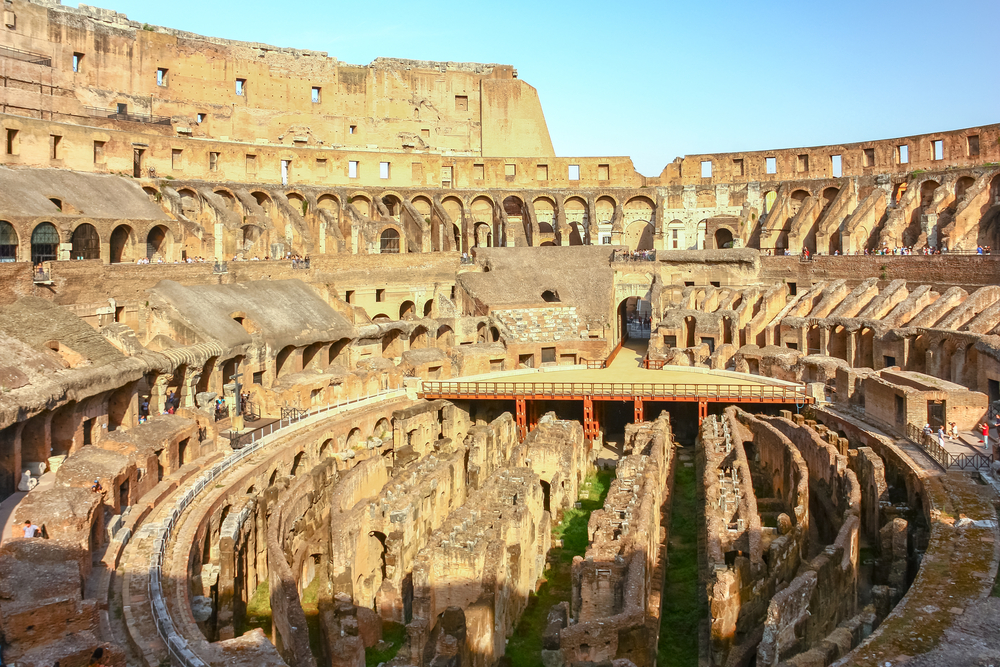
<point>177,645</point>
<point>42,277</point>
<point>25,56</point>
<point>652,390</point>
<point>929,444</point>
<point>595,364</point>
<point>113,114</point>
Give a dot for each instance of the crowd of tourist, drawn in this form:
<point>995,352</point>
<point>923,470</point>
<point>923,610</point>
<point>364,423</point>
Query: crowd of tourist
<point>886,250</point>
<point>620,255</point>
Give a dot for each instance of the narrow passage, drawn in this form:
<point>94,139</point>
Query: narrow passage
<point>525,646</point>
<point>681,610</point>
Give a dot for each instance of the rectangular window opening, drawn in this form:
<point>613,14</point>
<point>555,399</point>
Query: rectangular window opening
<point>802,163</point>
<point>793,289</point>
<point>176,158</point>
<point>352,169</point>
<point>738,167</point>
<point>201,118</point>
<point>604,172</point>
<point>54,141</point>
<point>461,102</point>
<point>868,157</point>
<point>13,143</point>
<point>478,172</point>
<point>251,165</point>
<point>98,152</point>
<point>241,86</point>
<point>315,94</point>
<point>77,61</point>
<point>379,295</point>
<point>349,296</point>
<point>161,76</point>
<point>322,165</point>
<point>213,161</point>
<point>836,166</point>
<point>447,174</point>
<point>425,133</point>
<point>352,129</point>
<point>541,172</point>
<point>973,141</point>
<point>903,154</point>
<point>574,172</point>
<point>510,170</point>
<point>938,146</point>
<point>548,355</point>
<point>771,165</point>
<point>706,169</point>
<point>383,170</point>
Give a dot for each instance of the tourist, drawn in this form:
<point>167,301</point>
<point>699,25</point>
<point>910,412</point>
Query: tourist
<point>940,434</point>
<point>954,431</point>
<point>96,486</point>
<point>985,428</point>
<point>927,428</point>
<point>31,530</point>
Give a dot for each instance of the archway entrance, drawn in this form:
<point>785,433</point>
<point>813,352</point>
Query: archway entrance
<point>44,243</point>
<point>86,243</point>
<point>723,238</point>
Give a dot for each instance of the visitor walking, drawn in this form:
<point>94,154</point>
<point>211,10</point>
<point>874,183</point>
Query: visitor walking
<point>940,435</point>
<point>985,428</point>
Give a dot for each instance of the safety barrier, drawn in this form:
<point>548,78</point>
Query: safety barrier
<point>177,645</point>
<point>929,444</point>
<point>625,390</point>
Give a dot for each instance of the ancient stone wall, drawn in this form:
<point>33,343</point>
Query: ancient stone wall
<point>615,609</point>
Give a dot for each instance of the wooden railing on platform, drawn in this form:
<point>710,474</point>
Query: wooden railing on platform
<point>617,390</point>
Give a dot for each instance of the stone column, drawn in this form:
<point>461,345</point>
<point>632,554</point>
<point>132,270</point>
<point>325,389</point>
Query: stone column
<point>824,340</point>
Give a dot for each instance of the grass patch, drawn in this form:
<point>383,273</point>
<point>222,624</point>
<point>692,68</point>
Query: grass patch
<point>258,611</point>
<point>681,613</point>
<point>393,636</point>
<point>525,646</point>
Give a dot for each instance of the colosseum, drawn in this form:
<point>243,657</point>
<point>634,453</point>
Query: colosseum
<point>311,364</point>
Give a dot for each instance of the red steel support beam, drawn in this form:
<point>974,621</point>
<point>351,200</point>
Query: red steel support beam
<point>639,418</point>
<point>702,411</point>
<point>522,419</point>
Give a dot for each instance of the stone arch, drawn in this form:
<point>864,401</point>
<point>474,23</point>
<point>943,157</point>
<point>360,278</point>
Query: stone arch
<point>153,194</point>
<point>393,204</point>
<point>159,241</point>
<point>190,202</point>
<point>232,203</point>
<point>263,200</point>
<point>723,238</point>
<point>389,242</point>
<point>428,307</point>
<point>829,194</point>
<point>86,242</point>
<point>768,201</point>
<point>962,185</point>
<point>329,202</point>
<point>362,204</point>
<point>251,235</point>
<point>284,364</point>
<point>639,235</point>
<point>545,214</point>
<point>675,235</point>
<point>418,338</point>
<point>445,337</point>
<point>422,205</point>
<point>483,235</point>
<point>123,244</point>
<point>44,243</point>
<point>578,219</point>
<point>8,242</point>
<point>407,310</point>
<point>355,439</point>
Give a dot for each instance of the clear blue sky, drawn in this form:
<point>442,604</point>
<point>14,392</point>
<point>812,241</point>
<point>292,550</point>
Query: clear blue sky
<point>656,80</point>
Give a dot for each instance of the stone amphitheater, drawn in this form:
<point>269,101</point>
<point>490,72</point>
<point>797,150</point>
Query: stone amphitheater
<point>315,364</point>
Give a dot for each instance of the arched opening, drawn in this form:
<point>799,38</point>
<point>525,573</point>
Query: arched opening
<point>637,221</point>
<point>484,236</point>
<point>282,364</point>
<point>550,296</point>
<point>392,205</point>
<point>513,207</point>
<point>157,242</point>
<point>355,439</point>
<point>263,201</point>
<point>962,185</point>
<point>445,338</point>
<point>8,242</point>
<point>428,307</point>
<point>119,403</point>
<point>310,356</point>
<point>727,330</point>
<point>494,335</point>
<point>389,242</point>
<point>86,243</point>
<point>251,234</point>
<point>812,340</point>
<point>418,339</point>
<point>639,235</point>
<point>482,214</point>
<point>689,329</point>
<point>183,452</point>
<point>546,495</point>
<point>326,449</point>
<point>338,355</point>
<point>675,235</point>
<point>407,310</point>
<point>392,348</point>
<point>229,201</point>
<point>44,243</point>
<point>122,244</point>
<point>723,238</point>
<point>481,332</point>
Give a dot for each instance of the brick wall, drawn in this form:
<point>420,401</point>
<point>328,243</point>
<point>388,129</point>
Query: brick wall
<point>943,271</point>
<point>536,325</point>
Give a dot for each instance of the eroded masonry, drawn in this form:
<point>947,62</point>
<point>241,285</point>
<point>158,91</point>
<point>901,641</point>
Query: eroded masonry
<point>323,365</point>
